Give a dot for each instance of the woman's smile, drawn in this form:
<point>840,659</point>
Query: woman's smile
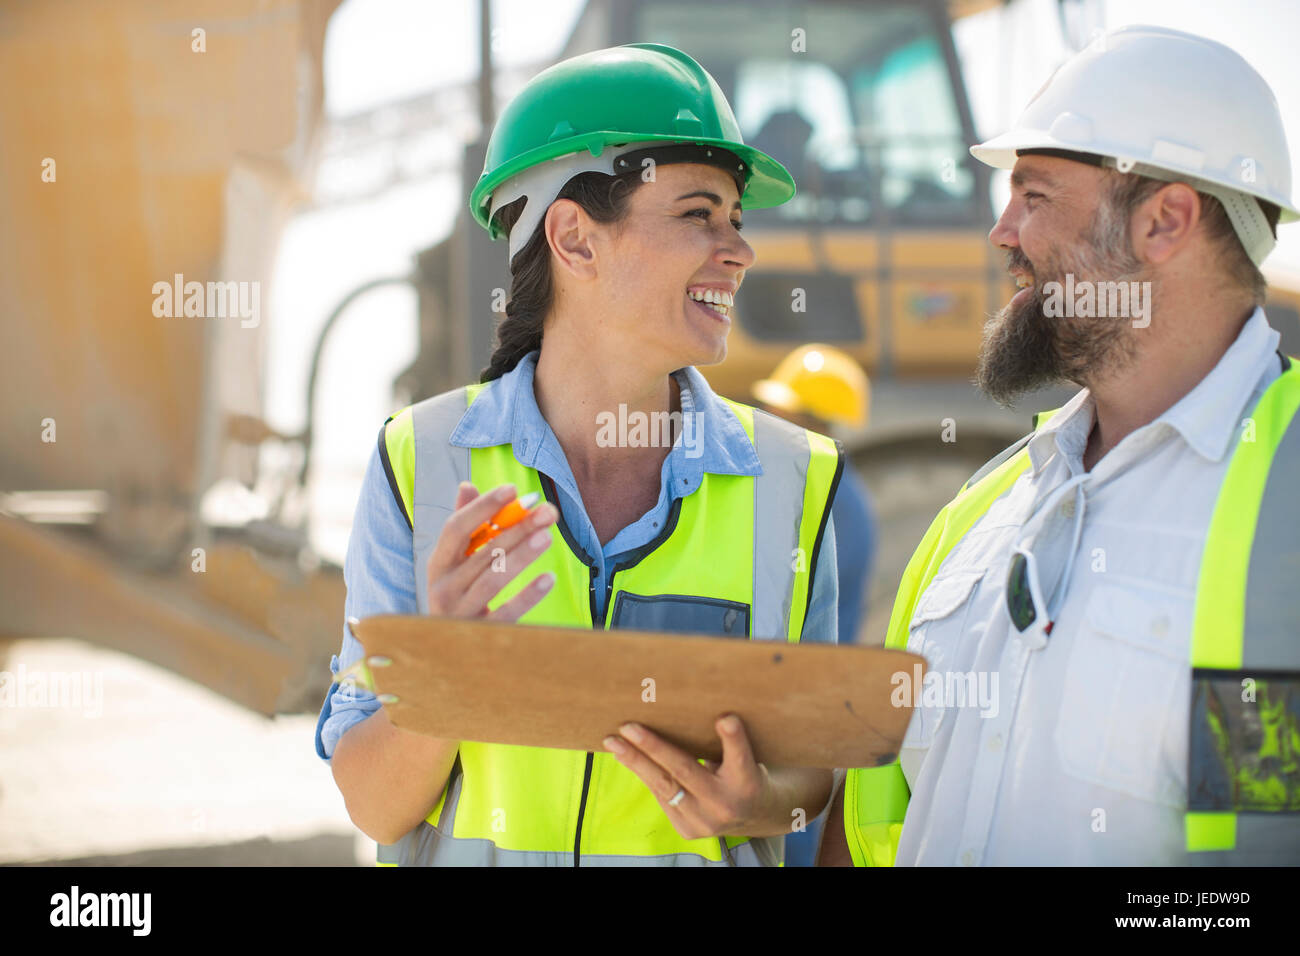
<point>717,301</point>
<point>716,312</point>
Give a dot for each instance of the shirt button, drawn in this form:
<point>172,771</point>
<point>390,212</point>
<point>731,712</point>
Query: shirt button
<point>968,858</point>
<point>995,742</point>
<point>1067,507</point>
<point>1160,626</point>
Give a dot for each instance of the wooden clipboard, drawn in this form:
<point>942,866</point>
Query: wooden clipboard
<point>803,705</point>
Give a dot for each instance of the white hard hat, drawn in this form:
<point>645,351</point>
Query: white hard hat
<point>1172,106</point>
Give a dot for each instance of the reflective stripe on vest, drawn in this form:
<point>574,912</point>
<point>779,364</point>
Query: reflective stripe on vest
<point>735,557</point>
<point>875,798</point>
<point>1244,747</point>
<point>1244,735</point>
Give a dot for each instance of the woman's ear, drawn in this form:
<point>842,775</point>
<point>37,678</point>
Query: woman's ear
<point>569,232</point>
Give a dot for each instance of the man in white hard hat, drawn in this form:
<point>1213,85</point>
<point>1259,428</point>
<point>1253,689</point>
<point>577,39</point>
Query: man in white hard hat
<point>1110,609</point>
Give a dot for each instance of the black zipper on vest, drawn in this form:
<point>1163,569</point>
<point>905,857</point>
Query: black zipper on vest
<point>548,488</point>
<point>633,559</point>
<point>582,808</point>
<point>591,757</point>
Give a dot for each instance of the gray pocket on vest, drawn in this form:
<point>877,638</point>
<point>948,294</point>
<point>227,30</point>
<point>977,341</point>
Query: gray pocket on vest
<point>680,614</point>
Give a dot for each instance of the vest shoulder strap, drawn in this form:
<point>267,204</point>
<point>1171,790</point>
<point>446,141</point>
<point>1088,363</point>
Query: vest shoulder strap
<point>1245,612</point>
<point>997,460</point>
<point>424,429</point>
<point>397,455</point>
<point>1040,419</point>
<point>792,507</point>
<point>1245,658</point>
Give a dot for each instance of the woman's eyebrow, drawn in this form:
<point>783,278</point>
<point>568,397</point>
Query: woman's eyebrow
<point>711,197</point>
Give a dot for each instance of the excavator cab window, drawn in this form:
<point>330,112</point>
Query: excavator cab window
<point>857,100</point>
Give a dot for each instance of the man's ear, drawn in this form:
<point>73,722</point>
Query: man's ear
<point>569,232</point>
<point>1165,223</point>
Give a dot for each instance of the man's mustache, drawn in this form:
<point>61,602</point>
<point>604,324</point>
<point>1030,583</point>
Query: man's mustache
<point>1017,261</point>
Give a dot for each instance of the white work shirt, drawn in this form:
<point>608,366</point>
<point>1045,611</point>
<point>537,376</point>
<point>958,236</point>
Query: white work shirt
<point>1082,758</point>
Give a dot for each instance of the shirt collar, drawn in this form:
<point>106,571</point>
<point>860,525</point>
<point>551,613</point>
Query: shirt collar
<point>1061,432</point>
<point>506,412</point>
<point>1206,417</point>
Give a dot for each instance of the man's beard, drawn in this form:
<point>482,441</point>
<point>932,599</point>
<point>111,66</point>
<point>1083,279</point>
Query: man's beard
<point>1024,350</point>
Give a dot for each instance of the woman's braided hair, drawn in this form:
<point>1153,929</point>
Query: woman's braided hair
<point>605,199</point>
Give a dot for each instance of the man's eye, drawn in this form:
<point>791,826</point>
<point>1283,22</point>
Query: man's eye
<point>1030,195</point>
<point>738,224</point>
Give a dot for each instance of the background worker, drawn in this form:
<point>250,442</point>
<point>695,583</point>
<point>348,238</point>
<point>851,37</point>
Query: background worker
<point>817,386</point>
<point>1127,573</point>
<point>618,179</point>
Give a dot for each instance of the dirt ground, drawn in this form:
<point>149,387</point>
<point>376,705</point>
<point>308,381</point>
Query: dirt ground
<point>153,769</point>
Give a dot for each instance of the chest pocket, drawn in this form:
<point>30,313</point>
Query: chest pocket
<point>680,614</point>
<point>936,632</point>
<point>1123,716</point>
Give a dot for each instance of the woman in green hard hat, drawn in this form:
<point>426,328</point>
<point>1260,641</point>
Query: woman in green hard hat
<point>619,179</point>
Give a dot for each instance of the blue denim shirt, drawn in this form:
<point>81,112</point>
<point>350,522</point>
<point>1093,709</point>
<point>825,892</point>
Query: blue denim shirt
<point>379,569</point>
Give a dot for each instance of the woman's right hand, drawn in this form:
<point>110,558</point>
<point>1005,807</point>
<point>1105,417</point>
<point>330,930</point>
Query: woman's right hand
<point>462,586</point>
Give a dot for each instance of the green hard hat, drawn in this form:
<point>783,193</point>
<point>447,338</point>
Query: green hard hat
<point>638,93</point>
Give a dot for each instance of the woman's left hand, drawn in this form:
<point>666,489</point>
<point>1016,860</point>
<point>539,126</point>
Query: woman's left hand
<point>730,798</point>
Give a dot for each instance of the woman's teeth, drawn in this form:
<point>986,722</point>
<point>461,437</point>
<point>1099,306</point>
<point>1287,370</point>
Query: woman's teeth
<point>715,299</point>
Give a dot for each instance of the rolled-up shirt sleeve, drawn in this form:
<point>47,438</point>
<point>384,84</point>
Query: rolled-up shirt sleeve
<point>379,573</point>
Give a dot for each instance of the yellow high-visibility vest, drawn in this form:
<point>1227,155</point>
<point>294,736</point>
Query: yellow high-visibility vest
<point>1244,748</point>
<point>735,557</point>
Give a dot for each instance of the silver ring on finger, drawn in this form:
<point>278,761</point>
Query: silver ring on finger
<point>677,797</point>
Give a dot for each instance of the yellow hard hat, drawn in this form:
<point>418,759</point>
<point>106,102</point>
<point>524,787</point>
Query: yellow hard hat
<point>818,380</point>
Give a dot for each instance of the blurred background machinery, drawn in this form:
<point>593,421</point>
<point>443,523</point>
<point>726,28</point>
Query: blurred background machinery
<point>147,505</point>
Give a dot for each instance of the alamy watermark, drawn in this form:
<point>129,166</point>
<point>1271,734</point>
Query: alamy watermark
<point>639,429</point>
<point>53,689</point>
<point>213,300</point>
<point>1086,300</point>
<point>946,689</point>
<point>130,910</point>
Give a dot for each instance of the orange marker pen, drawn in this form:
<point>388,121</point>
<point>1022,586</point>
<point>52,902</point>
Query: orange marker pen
<point>509,516</point>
